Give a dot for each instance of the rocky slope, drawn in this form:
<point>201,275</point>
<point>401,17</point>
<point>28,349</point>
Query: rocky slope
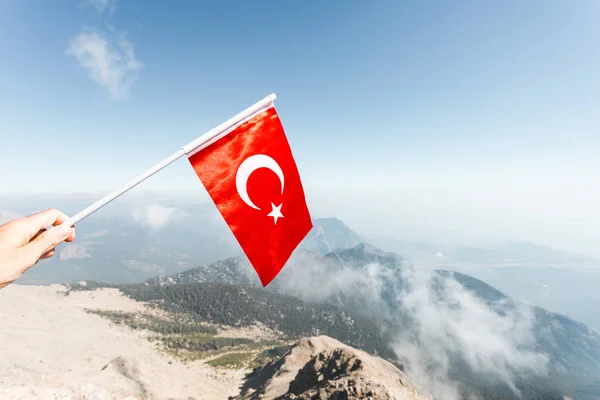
<point>329,234</point>
<point>324,368</point>
<point>53,347</point>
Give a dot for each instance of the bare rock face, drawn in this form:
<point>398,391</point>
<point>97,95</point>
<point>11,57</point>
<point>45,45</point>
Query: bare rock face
<point>323,368</point>
<point>334,375</point>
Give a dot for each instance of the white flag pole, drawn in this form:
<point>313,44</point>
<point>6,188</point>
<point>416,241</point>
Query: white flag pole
<point>190,147</point>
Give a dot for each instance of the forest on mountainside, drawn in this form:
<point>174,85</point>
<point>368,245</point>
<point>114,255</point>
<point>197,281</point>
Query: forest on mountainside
<point>239,306</point>
<point>244,306</point>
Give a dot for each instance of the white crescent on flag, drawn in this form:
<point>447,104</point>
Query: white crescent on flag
<point>246,169</point>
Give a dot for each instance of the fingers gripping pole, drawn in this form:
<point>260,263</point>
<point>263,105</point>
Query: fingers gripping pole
<point>190,147</point>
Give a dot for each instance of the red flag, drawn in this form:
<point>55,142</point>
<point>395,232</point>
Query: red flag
<point>251,175</point>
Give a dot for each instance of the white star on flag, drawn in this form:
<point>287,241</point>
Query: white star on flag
<point>276,213</point>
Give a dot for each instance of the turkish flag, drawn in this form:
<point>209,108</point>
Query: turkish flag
<point>251,175</point>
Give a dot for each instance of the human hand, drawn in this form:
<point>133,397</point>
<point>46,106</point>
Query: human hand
<point>25,241</point>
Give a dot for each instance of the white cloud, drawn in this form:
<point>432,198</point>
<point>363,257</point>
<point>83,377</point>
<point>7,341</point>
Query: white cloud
<point>110,62</point>
<point>156,216</point>
<point>104,5</point>
<point>445,320</point>
<point>74,251</point>
<point>450,320</point>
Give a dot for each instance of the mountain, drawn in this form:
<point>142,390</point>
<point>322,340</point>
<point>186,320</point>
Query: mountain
<point>549,287</point>
<point>506,253</point>
<point>100,344</point>
<point>238,271</point>
<point>235,305</point>
<point>234,271</point>
<point>130,243</point>
<point>231,271</point>
<point>140,236</point>
<point>324,368</point>
<point>534,274</point>
<point>448,315</point>
<point>329,234</point>
<point>409,249</point>
<point>242,306</point>
<point>519,253</point>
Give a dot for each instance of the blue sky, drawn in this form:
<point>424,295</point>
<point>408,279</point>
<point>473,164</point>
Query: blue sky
<point>463,118</point>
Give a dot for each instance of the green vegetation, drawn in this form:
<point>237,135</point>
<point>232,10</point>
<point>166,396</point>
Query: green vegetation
<point>269,355</point>
<point>193,311</point>
<point>88,285</point>
<point>154,324</point>
<point>243,306</point>
<point>252,357</point>
<point>240,306</point>
<point>232,360</point>
<point>190,340</point>
<point>202,343</point>
<point>184,354</point>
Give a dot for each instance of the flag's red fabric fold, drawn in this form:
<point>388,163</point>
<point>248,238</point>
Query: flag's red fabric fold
<point>251,175</point>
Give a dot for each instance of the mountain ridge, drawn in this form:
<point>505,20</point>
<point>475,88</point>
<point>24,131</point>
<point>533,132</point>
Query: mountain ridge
<point>329,234</point>
<point>572,347</point>
<point>324,368</point>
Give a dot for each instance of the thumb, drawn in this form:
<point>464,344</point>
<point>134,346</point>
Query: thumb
<point>45,242</point>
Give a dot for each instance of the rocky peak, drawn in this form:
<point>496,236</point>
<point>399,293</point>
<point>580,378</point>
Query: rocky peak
<point>323,368</point>
<point>334,375</point>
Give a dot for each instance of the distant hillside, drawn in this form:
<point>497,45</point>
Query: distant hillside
<point>329,234</point>
<point>132,243</point>
<point>572,346</point>
<point>514,253</point>
<point>369,282</point>
<point>556,280</point>
<point>234,271</point>
<point>142,236</point>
